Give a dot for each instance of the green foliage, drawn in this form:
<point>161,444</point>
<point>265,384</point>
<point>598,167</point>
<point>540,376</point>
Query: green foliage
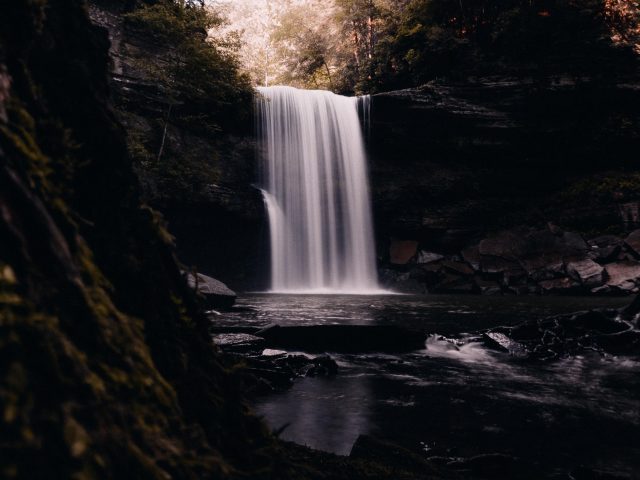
<point>376,45</point>
<point>202,77</point>
<point>607,187</point>
<point>435,38</point>
<point>203,93</point>
<point>304,49</point>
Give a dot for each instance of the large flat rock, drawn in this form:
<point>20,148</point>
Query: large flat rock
<point>343,338</point>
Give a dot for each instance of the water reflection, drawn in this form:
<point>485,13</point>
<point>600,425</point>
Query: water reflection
<point>459,400</point>
<point>322,413</point>
<point>434,313</point>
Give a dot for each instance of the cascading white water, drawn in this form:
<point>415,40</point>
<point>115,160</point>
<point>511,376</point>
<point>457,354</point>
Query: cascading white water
<point>316,191</point>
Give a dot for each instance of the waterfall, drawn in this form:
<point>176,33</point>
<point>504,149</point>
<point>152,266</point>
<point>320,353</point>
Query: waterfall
<point>316,191</point>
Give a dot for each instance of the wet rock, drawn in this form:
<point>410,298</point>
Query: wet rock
<point>605,248</point>
<point>492,265</point>
<point>457,267</point>
<point>322,366</point>
<point>575,241</point>
<point>471,255</point>
<point>543,266</point>
<point>564,285</point>
<point>488,287</point>
<point>587,272</point>
<point>584,473</point>
<point>592,321</point>
<point>623,276</point>
<point>525,332</point>
<point>623,343</point>
<point>238,342</point>
<point>562,335</point>
<point>513,276</point>
<point>519,290</point>
<point>402,251</point>
<point>276,370</point>
<point>215,293</point>
<point>500,341</point>
<point>490,465</point>
<point>633,242</point>
<point>343,338</point>
<point>428,257</point>
<point>412,281</point>
<point>372,449</point>
<point>506,245</point>
<point>455,284</point>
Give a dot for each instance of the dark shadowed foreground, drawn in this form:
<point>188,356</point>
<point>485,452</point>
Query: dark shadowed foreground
<point>106,365</point>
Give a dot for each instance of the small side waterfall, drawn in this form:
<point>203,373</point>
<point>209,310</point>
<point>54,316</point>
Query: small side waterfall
<point>316,190</point>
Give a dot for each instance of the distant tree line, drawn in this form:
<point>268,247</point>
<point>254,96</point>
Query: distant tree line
<point>375,45</point>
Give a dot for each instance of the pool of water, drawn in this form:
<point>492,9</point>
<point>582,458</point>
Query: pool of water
<point>457,401</point>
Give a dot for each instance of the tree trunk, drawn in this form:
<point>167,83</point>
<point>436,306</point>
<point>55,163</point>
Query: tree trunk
<point>164,133</point>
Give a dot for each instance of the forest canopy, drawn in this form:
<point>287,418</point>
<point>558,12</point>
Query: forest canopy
<point>365,46</point>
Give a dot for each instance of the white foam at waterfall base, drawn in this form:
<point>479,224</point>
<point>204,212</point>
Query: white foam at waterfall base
<point>317,193</point>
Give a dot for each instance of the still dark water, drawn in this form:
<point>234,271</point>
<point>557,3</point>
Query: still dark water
<point>458,402</point>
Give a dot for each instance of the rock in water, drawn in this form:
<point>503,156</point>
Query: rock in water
<point>587,272</point>
<point>633,241</point>
<point>216,293</point>
<point>500,341</point>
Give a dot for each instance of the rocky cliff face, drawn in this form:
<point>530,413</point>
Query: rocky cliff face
<point>106,366</point>
<point>454,163</point>
<point>201,181</point>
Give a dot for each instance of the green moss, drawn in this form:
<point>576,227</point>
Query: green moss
<point>612,186</point>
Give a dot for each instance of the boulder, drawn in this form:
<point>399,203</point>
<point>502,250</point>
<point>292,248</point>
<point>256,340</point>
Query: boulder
<point>428,257</point>
<point>587,272</point>
<point>543,266</point>
<point>402,251</point>
<point>564,285</point>
<point>574,241</point>
<point>491,264</point>
<point>455,284</point>
<point>633,242</point>
<point>402,281</point>
<point>500,341</point>
<point>506,245</point>
<point>488,287</point>
<point>215,293</point>
<point>604,241</point>
<point>513,276</point>
<point>604,254</point>
<point>605,248</point>
<point>623,275</point>
<point>471,255</point>
<point>429,274</point>
<point>459,268</point>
